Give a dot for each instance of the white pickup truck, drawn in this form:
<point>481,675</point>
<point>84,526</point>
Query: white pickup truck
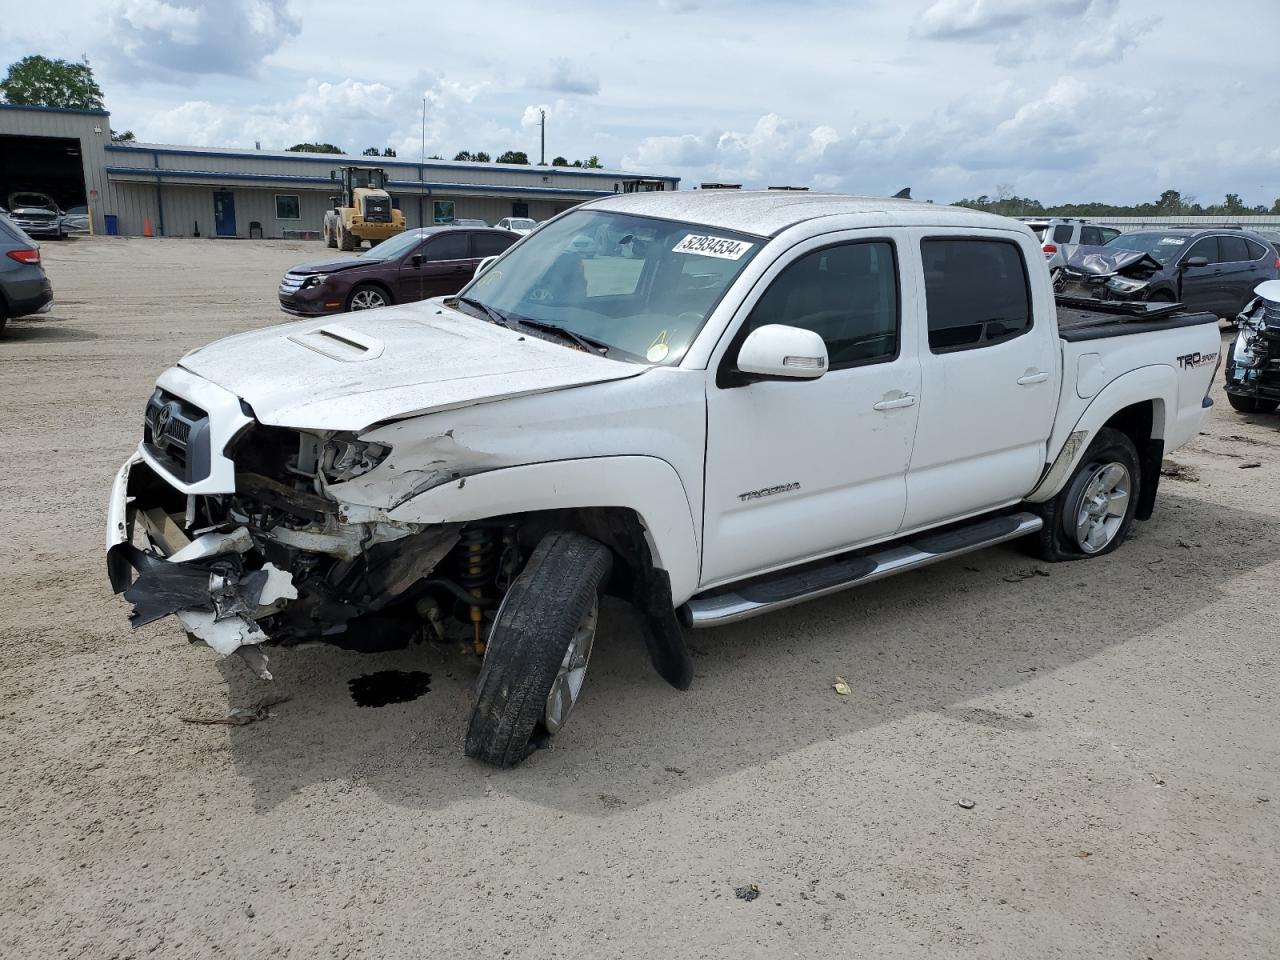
<point>713,405</point>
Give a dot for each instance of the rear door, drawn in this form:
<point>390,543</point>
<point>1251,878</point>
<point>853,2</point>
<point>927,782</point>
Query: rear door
<point>1239,273</point>
<point>989,371</point>
<point>445,259</point>
<point>798,469</point>
<point>1202,287</point>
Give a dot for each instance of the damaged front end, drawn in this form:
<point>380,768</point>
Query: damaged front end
<point>270,557</point>
<point>1106,273</point>
<point>1253,368</point>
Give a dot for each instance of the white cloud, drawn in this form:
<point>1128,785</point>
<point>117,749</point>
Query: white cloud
<point>194,37</point>
<point>568,77</point>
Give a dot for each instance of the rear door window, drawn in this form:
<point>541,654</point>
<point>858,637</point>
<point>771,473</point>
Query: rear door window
<point>1233,250</point>
<point>976,292</point>
<point>489,244</point>
<point>1091,236</point>
<point>847,294</point>
<point>1062,233</point>
<point>1108,234</point>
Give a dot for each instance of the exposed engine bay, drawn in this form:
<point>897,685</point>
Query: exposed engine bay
<point>274,560</point>
<point>1106,273</point>
<point>1253,364</point>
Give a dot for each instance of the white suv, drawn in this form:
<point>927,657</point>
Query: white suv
<point>1056,232</point>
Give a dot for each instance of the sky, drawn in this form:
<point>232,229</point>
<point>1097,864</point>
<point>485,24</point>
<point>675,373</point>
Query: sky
<point>1060,100</point>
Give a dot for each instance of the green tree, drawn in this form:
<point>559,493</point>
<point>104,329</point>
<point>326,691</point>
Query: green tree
<point>562,162</point>
<point>1275,207</point>
<point>388,151</point>
<point>370,152</point>
<point>1233,205</point>
<point>37,81</point>
<point>593,163</point>
<point>482,157</point>
<point>464,156</point>
<point>122,136</point>
<point>1170,203</point>
<point>514,156</point>
<point>313,148</point>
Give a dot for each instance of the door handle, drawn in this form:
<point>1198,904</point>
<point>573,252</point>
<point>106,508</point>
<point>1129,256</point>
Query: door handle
<point>1040,376</point>
<point>906,400</point>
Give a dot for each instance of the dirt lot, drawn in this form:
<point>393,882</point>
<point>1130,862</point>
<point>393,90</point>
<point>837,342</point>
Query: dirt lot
<point>1116,723</point>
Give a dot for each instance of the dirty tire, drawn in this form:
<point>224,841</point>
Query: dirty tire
<point>346,239</point>
<point>1250,404</point>
<point>539,616</point>
<point>330,240</point>
<point>1058,541</point>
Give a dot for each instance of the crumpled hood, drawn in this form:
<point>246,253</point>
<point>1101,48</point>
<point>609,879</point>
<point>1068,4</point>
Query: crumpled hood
<point>1105,261</point>
<point>353,370</point>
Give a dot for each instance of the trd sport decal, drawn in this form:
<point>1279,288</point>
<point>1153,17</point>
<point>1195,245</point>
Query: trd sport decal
<point>768,491</point>
<point>1189,361</point>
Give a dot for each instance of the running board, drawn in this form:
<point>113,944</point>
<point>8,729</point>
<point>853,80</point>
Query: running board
<point>786,588</point>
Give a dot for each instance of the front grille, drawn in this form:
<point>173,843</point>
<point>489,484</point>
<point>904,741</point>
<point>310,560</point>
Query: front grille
<point>377,210</point>
<point>176,433</point>
<point>1271,313</point>
<point>292,283</point>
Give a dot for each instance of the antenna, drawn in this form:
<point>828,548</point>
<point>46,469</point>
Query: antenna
<point>542,123</point>
<point>423,155</point>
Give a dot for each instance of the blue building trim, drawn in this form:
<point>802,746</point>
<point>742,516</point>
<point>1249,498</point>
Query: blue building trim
<point>342,159</point>
<point>86,113</point>
<point>425,187</point>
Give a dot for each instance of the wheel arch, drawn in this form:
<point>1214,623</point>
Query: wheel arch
<point>1140,404</point>
<point>386,290</point>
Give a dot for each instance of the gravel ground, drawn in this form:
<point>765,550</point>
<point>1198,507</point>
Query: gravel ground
<point>1116,724</point>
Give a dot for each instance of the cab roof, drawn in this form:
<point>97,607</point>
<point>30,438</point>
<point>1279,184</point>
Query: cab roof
<point>766,213</point>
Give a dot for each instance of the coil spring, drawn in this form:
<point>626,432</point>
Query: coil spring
<point>476,560</point>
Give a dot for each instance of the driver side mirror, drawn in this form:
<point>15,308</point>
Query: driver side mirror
<point>779,352</point>
<point>1195,262</point>
<point>416,260</point>
<point>484,265</point>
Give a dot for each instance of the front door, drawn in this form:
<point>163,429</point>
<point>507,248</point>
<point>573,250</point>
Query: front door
<point>224,213</point>
<point>798,469</point>
<point>446,266</point>
<point>990,378</point>
<point>1201,287</point>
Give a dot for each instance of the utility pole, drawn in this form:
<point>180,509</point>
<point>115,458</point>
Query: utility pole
<point>542,124</point>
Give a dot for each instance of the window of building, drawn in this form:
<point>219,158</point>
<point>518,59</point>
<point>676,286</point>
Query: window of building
<point>288,207</point>
<point>449,246</point>
<point>976,292</point>
<point>847,294</point>
<point>1062,233</point>
<point>442,211</point>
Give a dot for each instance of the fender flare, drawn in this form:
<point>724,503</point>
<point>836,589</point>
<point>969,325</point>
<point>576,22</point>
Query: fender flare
<point>1157,383</point>
<point>648,485</point>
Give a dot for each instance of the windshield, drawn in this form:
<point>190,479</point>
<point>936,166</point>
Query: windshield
<point>640,285</point>
<point>1163,246</point>
<point>397,246</point>
<point>367,178</point>
<point>517,223</point>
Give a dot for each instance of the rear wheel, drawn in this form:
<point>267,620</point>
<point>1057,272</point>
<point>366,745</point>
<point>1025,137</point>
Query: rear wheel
<point>4,314</point>
<point>367,297</point>
<point>1094,512</point>
<point>536,660</point>
<point>330,238</point>
<point>346,240</point>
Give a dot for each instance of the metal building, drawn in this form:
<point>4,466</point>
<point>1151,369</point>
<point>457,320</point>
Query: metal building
<point>181,191</point>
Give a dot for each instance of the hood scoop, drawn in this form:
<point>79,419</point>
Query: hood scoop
<point>338,342</point>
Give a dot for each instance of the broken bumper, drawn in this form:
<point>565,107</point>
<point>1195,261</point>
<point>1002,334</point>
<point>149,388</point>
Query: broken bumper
<point>204,582</point>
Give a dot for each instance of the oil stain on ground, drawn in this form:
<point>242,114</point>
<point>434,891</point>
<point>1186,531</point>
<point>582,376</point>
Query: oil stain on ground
<point>389,686</point>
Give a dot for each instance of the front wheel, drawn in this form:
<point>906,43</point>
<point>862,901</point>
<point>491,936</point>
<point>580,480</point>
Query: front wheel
<point>1250,404</point>
<point>367,297</point>
<point>1094,512</point>
<point>536,659</point>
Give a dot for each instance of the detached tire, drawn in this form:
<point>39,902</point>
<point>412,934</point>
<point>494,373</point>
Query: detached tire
<point>1094,512</point>
<point>538,649</point>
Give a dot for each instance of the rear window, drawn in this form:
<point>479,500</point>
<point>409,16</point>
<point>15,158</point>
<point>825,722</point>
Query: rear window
<point>1256,250</point>
<point>976,292</point>
<point>1233,250</point>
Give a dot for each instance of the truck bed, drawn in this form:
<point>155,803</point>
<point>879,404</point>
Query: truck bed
<point>1082,319</point>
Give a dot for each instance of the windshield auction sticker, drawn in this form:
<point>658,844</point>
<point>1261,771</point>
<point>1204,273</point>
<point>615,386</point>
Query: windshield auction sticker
<point>712,247</point>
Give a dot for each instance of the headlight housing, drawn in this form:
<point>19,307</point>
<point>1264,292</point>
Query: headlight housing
<point>315,280</point>
<point>344,458</point>
<point>1125,285</point>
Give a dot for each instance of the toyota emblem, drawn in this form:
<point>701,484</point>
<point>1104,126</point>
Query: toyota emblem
<point>164,419</point>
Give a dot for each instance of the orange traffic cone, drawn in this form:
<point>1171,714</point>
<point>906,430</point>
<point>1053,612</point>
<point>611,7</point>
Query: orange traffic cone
<point>146,227</point>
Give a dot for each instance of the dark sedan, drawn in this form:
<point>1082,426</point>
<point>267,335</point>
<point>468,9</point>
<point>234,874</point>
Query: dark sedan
<point>24,288</point>
<point>414,265</point>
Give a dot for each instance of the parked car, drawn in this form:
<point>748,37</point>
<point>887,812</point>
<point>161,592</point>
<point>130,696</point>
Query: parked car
<point>36,213</point>
<point>520,225</point>
<point>24,287</point>
<point>413,265</point>
<point>1252,379</point>
<point>1205,269</point>
<point>744,406</point>
<point>76,220</point>
<point>465,222</point>
<point>1055,233</point>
